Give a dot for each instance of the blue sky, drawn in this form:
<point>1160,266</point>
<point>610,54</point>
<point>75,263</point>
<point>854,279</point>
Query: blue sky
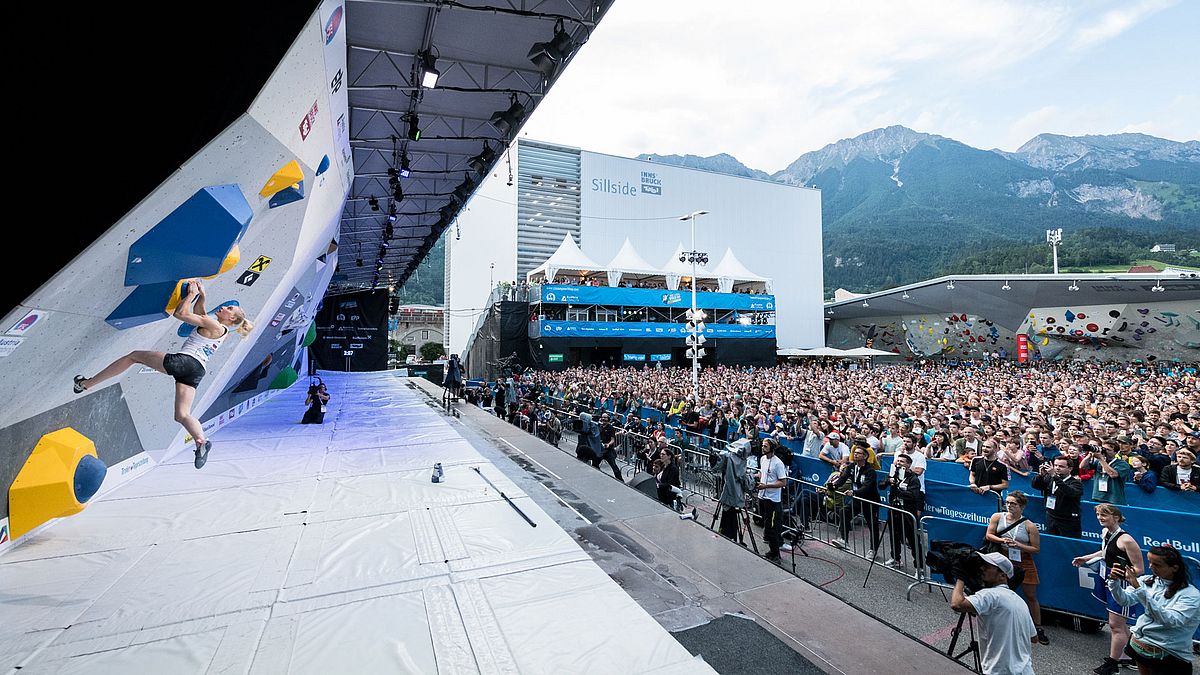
<point>784,77</point>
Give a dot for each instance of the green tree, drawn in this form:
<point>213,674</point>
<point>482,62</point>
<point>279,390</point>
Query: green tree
<point>431,351</point>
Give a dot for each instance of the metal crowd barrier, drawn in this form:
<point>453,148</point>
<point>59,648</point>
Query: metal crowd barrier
<point>853,525</point>
<point>808,515</point>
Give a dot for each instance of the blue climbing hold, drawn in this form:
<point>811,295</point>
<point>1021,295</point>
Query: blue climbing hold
<point>323,166</point>
<point>89,474</point>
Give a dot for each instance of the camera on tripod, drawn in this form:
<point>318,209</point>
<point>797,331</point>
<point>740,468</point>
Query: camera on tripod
<point>955,560</point>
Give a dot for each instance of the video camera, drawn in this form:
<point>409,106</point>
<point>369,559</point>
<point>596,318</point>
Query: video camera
<point>955,560</point>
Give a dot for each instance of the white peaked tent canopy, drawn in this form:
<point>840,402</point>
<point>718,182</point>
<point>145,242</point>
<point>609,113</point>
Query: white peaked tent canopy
<point>674,270</point>
<point>628,262</point>
<point>730,272</point>
<point>568,258</point>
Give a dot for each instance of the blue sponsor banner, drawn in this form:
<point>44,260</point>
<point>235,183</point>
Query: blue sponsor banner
<point>1161,498</point>
<point>644,297</point>
<point>660,357</point>
<point>1062,585</point>
<point>634,357</point>
<point>641,329</point>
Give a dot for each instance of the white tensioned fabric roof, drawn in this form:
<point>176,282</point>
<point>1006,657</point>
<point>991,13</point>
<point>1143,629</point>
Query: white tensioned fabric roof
<point>569,258</point>
<point>628,261</point>
<point>732,268</point>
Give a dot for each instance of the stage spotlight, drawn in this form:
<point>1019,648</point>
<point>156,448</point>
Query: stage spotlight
<point>483,160</point>
<point>429,71</point>
<point>463,191</point>
<point>358,263</point>
<point>405,166</point>
<point>374,203</point>
<point>506,121</point>
<point>547,56</point>
<point>414,127</point>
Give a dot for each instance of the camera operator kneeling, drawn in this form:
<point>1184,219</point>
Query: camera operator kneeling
<point>1005,629</point>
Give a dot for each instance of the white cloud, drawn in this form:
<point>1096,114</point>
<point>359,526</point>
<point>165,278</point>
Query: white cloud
<point>691,76</point>
<point>1116,21</point>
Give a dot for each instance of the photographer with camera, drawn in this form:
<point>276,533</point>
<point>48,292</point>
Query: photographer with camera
<point>1162,638</point>
<point>317,399</point>
<point>1005,630</point>
<point>1119,548</point>
<point>905,495</point>
<point>1062,492</point>
<point>735,483</point>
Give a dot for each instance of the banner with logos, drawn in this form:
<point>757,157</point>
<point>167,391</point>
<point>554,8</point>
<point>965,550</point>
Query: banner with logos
<point>563,294</point>
<point>1062,586</point>
<point>594,329</point>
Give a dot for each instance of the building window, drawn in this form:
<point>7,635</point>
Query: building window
<point>424,335</point>
<point>577,315</point>
<point>606,315</point>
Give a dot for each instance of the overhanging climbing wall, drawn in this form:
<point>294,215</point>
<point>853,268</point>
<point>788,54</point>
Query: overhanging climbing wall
<point>255,212</point>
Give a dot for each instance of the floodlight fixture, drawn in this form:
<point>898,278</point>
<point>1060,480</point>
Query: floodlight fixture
<point>509,119</point>
<point>548,56</point>
<point>483,160</point>
<point>414,127</point>
<point>429,71</point>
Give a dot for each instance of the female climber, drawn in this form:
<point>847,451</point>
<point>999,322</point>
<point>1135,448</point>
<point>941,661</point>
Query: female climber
<point>186,365</point>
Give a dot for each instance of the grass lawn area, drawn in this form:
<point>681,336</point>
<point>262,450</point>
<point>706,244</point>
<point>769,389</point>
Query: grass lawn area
<point>1160,266</point>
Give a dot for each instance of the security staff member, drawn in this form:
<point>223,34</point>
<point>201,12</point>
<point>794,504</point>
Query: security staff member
<point>1062,492</point>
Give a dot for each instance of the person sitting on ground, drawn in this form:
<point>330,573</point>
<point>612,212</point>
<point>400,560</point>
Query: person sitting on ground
<point>187,365</point>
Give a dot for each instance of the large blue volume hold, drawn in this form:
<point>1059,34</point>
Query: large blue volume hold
<point>145,304</point>
<point>193,240</point>
<point>89,474</point>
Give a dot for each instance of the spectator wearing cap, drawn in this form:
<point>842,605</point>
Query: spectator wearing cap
<point>834,452</point>
<point>1006,631</point>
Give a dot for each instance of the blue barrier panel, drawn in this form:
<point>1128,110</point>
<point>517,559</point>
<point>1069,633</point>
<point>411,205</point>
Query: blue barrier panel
<point>957,502</point>
<point>1063,586</point>
<point>1162,498</point>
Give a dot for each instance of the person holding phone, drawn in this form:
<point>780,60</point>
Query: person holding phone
<point>1119,548</point>
<point>1161,641</point>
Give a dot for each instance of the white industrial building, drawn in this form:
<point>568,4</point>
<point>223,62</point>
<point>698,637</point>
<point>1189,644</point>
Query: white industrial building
<point>541,191</point>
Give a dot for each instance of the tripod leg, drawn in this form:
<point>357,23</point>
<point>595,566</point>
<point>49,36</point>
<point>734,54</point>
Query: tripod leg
<point>882,533</point>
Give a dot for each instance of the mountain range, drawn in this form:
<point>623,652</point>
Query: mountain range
<point>900,206</point>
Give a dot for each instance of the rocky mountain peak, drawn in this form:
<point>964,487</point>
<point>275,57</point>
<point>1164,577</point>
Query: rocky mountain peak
<point>887,144</point>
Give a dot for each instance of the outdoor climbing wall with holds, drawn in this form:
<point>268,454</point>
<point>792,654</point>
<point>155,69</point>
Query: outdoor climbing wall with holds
<point>1150,331</point>
<point>255,213</point>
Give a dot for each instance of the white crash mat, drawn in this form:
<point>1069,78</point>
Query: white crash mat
<point>322,549</point>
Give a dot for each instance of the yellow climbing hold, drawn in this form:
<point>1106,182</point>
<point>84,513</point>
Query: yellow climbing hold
<point>283,179</point>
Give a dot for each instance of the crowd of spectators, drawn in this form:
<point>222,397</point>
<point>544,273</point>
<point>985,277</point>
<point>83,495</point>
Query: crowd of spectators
<point>1133,424</point>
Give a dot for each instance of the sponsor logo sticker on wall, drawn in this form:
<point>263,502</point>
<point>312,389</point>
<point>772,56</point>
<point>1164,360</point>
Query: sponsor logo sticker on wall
<point>651,183</point>
<point>4,533</point>
<point>8,345</point>
<point>307,123</point>
<point>32,318</point>
<point>332,25</point>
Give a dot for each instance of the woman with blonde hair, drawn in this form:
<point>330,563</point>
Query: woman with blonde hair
<point>188,364</point>
<point>1119,548</point>
<point>1020,540</point>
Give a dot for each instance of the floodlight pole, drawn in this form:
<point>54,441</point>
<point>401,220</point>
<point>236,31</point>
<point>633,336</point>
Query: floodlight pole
<point>694,256</point>
<point>1054,238</point>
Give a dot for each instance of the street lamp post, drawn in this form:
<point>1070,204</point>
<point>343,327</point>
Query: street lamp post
<point>695,316</point>
<point>1054,238</point>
